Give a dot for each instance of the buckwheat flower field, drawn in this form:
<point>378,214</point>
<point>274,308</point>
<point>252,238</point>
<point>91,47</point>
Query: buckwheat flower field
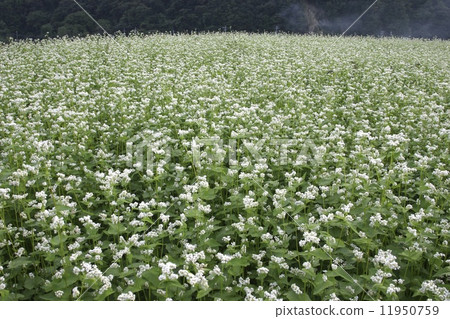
<point>224,167</point>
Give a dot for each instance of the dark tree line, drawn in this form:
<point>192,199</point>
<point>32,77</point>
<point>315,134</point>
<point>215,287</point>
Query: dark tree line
<point>41,18</point>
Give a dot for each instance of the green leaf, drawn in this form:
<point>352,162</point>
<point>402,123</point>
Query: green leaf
<point>116,229</point>
<point>342,273</point>
<point>207,194</point>
<point>202,293</point>
<point>4,294</point>
<point>60,208</point>
<point>411,255</point>
<point>322,285</point>
<point>57,240</point>
<point>174,283</point>
<point>50,297</point>
<point>212,243</point>
<point>319,253</point>
<point>105,294</point>
<point>242,262</point>
<point>442,272</point>
<point>235,270</point>
<point>365,243</point>
<point>19,262</point>
<point>324,181</point>
<point>31,283</point>
<point>292,296</point>
<point>152,276</point>
<point>194,213</point>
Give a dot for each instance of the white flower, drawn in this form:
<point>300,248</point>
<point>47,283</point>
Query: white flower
<point>4,193</point>
<point>379,276</point>
<point>216,271</point>
<point>129,296</point>
<point>249,202</point>
<point>333,297</point>
<point>224,258</point>
<point>392,289</point>
<point>432,286</point>
<point>377,219</point>
<point>296,289</point>
<point>387,259</point>
<point>167,271</point>
<point>309,237</point>
<point>358,254</point>
<point>262,270</point>
<point>2,281</point>
<point>57,223</point>
<point>75,292</point>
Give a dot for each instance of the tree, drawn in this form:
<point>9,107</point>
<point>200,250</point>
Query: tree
<point>36,18</point>
<point>311,10</point>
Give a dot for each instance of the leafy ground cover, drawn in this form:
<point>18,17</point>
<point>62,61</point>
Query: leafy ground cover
<point>279,168</point>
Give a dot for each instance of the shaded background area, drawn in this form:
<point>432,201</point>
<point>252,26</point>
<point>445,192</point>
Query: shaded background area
<point>40,18</point>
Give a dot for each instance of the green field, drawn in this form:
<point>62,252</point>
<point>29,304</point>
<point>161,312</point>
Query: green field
<point>224,167</point>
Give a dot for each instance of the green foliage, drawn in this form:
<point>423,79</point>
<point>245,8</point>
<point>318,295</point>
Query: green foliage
<point>37,19</point>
